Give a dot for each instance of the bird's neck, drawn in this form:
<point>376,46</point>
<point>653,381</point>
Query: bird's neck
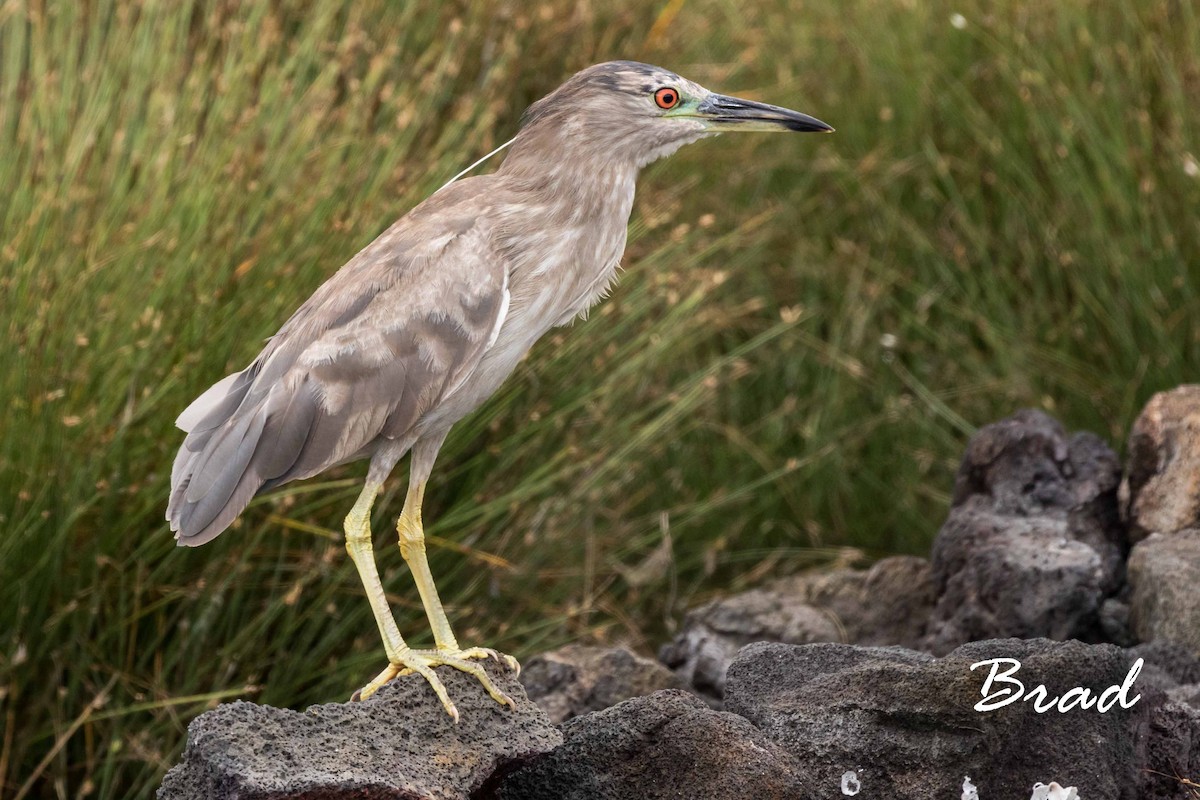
<point>569,185</point>
<point>563,224</point>
<point>555,158</point>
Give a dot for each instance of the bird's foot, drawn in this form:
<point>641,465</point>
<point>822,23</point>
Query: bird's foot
<point>422,662</point>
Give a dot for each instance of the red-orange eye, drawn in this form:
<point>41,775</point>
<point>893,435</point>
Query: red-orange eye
<point>666,98</point>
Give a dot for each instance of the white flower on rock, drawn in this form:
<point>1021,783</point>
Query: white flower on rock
<point>850,783</point>
<point>1053,792</point>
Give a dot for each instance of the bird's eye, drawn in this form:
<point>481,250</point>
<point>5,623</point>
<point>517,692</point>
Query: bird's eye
<point>666,98</point>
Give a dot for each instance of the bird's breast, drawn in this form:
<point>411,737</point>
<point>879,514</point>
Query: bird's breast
<point>562,256</point>
<point>567,255</point>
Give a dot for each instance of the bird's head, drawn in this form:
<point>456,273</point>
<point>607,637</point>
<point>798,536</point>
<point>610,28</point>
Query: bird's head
<point>640,113</point>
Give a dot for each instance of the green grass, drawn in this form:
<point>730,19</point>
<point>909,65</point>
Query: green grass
<point>808,330</point>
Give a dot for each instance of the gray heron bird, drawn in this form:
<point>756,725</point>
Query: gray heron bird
<point>428,320</point>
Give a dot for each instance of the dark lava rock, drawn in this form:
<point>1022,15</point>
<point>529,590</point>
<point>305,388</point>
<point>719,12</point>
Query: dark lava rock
<point>1172,770</point>
<point>667,745</point>
<point>1164,579</point>
<point>1114,621</point>
<point>1187,694</point>
<point>1034,543</point>
<point>1168,664</point>
<point>400,743</point>
<point>1161,491</point>
<point>905,724</point>
<point>577,679</point>
<point>887,604</point>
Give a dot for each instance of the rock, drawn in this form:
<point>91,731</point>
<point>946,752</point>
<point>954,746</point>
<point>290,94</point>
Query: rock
<point>1172,754</point>
<point>1033,544</point>
<point>1164,576</point>
<point>852,599</point>
<point>400,743</point>
<point>905,723</point>
<point>839,606</point>
<point>1171,668</point>
<point>1161,492</point>
<point>712,634</point>
<point>1168,664</point>
<point>576,680</point>
<point>1187,694</point>
<point>1114,623</point>
<point>667,745</point>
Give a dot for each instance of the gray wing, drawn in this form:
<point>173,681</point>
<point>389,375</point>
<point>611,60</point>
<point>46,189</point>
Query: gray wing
<point>381,343</point>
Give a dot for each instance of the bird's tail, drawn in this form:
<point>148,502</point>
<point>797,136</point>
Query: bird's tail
<point>213,479</point>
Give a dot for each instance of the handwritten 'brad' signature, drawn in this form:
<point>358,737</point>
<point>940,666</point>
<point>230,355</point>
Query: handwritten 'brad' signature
<point>1001,689</point>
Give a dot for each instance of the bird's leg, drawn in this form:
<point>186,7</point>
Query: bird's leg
<point>412,547</point>
<point>362,553</point>
<point>402,659</point>
<point>360,547</point>
<point>446,651</point>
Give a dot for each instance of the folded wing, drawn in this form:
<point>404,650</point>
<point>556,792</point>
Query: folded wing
<point>380,344</point>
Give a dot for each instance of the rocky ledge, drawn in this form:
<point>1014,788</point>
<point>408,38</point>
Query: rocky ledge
<point>400,743</point>
<point>1052,640</point>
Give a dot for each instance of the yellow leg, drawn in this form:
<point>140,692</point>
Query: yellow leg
<point>447,650</point>
<point>412,547</point>
<point>359,545</point>
<point>402,660</point>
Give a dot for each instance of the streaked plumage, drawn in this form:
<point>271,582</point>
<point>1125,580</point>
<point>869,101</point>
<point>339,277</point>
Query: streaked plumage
<point>428,320</point>
<point>358,368</point>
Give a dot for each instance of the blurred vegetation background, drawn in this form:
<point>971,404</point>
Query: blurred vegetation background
<point>808,330</point>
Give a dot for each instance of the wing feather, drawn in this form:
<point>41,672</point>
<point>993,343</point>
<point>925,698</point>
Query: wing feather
<point>379,345</point>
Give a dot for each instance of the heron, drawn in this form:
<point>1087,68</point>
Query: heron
<point>425,323</point>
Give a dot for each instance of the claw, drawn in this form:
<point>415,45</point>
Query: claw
<point>495,655</point>
<point>422,663</point>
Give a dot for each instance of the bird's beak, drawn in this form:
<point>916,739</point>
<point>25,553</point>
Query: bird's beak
<point>719,112</point>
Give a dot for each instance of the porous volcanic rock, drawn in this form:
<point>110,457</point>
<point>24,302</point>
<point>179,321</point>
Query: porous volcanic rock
<point>1169,665</point>
<point>578,679</point>
<point>1164,579</point>
<point>1172,760</point>
<point>667,745</point>
<point>1034,544</point>
<point>905,722</point>
<point>887,604</point>
<point>398,744</point>
<point>1161,490</point>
